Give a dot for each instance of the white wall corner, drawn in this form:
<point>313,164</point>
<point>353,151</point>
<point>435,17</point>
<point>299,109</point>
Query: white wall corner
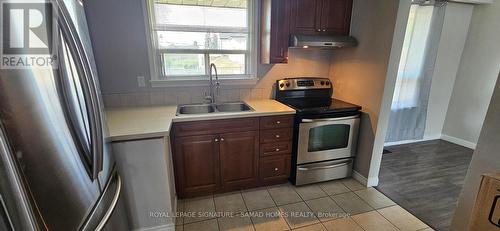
<point>370,182</point>
<point>459,141</point>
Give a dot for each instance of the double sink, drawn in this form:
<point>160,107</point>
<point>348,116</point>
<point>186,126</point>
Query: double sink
<point>190,109</point>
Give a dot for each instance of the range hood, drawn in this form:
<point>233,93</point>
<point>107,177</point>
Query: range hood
<point>321,41</point>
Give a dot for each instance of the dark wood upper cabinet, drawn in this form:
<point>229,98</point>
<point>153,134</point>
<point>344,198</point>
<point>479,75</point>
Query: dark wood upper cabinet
<point>336,16</point>
<point>281,18</point>
<point>196,162</point>
<point>275,31</point>
<point>320,17</point>
<point>239,160</point>
<point>305,16</point>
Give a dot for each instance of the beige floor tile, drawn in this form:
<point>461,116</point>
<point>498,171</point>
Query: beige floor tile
<point>179,228</point>
<point>298,215</point>
<point>351,203</point>
<point>402,219</point>
<point>342,224</point>
<point>427,229</point>
<point>208,225</point>
<point>325,209</point>
<point>258,199</point>
<point>179,220</point>
<point>230,203</point>
<point>203,209</point>
<point>268,220</point>
<point>373,221</point>
<point>284,194</point>
<point>374,198</point>
<point>352,184</point>
<point>235,223</point>
<point>316,227</point>
<point>333,187</point>
<point>309,192</point>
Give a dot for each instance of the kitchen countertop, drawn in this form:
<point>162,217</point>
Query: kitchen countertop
<point>132,123</point>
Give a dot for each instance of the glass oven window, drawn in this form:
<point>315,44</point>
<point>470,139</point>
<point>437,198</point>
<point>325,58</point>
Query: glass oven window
<point>328,137</point>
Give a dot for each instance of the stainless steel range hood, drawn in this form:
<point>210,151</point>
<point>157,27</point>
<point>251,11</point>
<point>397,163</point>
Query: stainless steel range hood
<point>321,41</point>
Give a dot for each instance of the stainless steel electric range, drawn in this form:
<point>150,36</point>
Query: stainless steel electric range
<point>325,130</point>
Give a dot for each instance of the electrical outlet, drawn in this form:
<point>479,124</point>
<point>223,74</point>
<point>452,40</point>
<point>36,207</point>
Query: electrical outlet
<point>141,81</point>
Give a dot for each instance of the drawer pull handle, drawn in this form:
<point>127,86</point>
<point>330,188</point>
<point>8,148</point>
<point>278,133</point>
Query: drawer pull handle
<point>277,136</point>
<point>216,140</point>
<point>324,167</point>
<point>275,169</point>
<point>278,122</point>
<point>221,139</point>
<point>277,149</point>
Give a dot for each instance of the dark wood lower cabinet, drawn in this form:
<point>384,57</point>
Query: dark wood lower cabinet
<point>196,161</point>
<point>232,157</point>
<point>239,160</point>
<point>274,169</point>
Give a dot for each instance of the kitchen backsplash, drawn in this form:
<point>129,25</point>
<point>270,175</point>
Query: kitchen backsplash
<point>175,96</point>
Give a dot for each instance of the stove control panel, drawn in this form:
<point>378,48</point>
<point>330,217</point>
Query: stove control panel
<point>303,84</point>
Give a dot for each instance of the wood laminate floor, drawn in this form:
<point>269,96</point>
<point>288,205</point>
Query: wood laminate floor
<point>425,178</point>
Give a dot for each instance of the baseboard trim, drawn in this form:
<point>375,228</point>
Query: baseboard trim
<point>167,227</point>
<point>427,138</point>
<point>459,141</point>
<point>370,182</point>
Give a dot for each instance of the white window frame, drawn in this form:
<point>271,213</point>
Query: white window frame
<point>156,67</point>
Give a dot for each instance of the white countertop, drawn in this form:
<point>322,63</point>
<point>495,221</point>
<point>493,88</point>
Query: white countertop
<point>132,123</point>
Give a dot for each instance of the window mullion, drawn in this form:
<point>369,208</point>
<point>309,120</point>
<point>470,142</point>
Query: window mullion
<point>207,63</point>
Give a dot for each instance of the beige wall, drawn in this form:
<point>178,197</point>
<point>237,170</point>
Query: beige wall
<point>484,160</point>
<point>120,47</point>
<point>359,74</point>
<point>476,76</point>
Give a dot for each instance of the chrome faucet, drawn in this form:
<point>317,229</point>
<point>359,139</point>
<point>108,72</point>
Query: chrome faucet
<point>212,98</point>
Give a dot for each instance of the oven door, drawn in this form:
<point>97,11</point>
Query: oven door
<point>327,138</point>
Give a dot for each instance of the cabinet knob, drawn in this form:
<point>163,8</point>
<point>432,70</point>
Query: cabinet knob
<point>319,29</point>
<point>216,140</point>
<point>277,136</point>
<point>277,149</point>
<point>275,169</point>
<point>221,139</point>
<point>324,29</point>
<point>278,122</point>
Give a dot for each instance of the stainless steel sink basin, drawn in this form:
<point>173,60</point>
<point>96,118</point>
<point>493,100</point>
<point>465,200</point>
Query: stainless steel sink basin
<point>196,109</point>
<point>211,108</point>
<point>234,107</point>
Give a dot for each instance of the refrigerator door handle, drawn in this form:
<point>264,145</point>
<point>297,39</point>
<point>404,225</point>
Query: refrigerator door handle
<point>90,88</point>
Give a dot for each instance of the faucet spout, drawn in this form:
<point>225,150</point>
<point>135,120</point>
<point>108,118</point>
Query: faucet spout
<point>213,95</point>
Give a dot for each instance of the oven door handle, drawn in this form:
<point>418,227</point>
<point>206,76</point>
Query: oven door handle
<point>328,119</point>
<point>326,166</point>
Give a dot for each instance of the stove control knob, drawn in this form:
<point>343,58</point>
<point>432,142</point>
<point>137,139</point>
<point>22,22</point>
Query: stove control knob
<point>322,83</point>
<point>287,84</point>
<point>327,83</point>
<point>282,85</point>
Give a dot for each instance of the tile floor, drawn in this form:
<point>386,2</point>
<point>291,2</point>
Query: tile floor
<point>341,205</point>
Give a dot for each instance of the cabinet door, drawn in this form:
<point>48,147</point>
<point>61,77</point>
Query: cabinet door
<point>196,165</point>
<point>275,31</point>
<point>305,16</point>
<point>239,158</point>
<point>336,16</point>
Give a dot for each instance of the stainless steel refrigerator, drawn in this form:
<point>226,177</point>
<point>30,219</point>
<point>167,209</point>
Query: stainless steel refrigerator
<point>56,168</point>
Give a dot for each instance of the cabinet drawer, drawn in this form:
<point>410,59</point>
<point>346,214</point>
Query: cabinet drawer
<point>209,127</point>
<point>275,135</point>
<point>274,169</point>
<point>276,148</point>
<point>271,122</point>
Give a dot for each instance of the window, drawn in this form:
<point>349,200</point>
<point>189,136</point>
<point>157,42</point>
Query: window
<point>187,36</point>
